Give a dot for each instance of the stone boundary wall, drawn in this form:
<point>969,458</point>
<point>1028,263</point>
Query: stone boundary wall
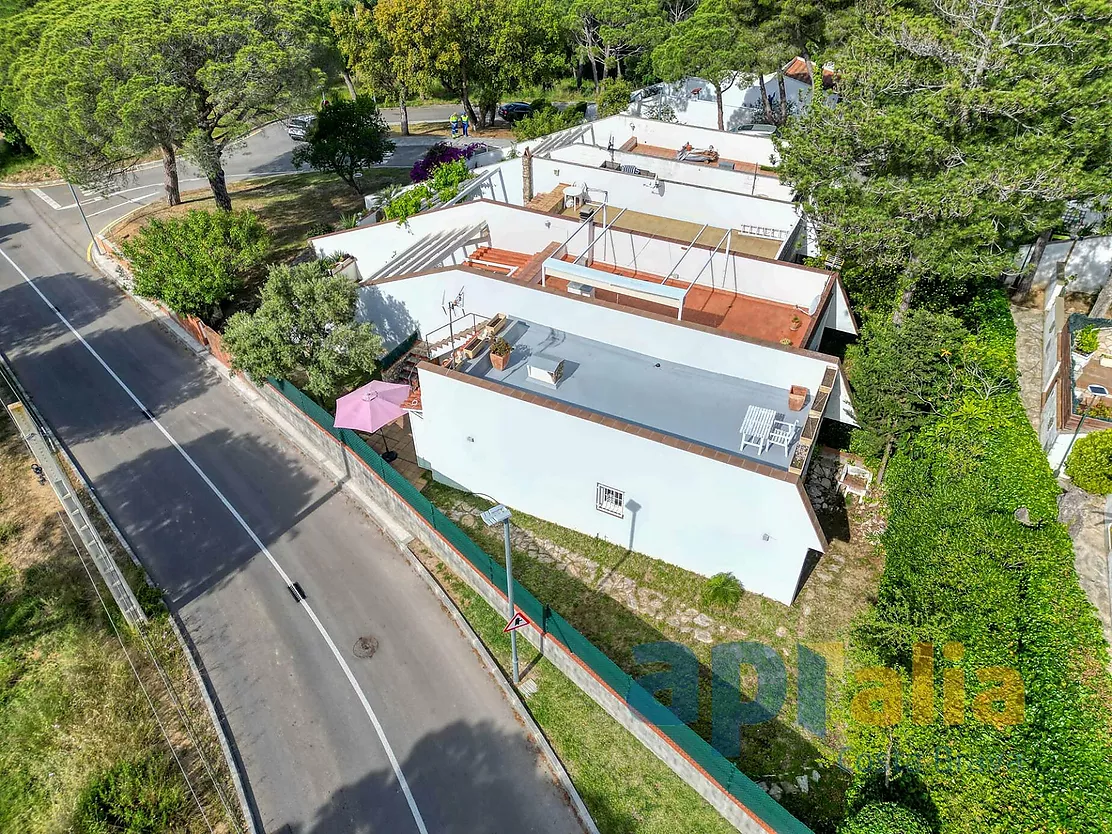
<point>322,443</point>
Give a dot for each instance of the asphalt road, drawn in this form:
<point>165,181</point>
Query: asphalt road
<point>267,152</point>
<point>222,512</point>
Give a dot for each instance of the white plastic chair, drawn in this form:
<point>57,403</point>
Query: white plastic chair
<point>782,434</point>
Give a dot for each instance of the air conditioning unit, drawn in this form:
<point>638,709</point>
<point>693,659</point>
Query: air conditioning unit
<point>544,369</point>
<point>581,289</point>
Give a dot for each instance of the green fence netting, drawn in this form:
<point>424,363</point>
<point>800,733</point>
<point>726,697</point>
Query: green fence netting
<point>721,769</point>
<point>401,350</point>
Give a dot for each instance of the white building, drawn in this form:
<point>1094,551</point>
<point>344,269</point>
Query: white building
<point>741,163</point>
<point>692,101</point>
<point>635,362</point>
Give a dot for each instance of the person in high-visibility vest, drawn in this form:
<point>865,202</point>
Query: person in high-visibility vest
<point>454,122</point>
<point>466,123</point>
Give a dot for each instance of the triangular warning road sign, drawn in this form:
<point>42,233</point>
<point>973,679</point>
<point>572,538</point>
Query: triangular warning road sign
<point>517,622</point>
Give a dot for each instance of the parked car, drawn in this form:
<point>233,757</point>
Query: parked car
<point>514,111</point>
<point>298,127</point>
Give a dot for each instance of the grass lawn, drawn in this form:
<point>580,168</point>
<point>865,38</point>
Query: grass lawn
<point>79,748</point>
<point>593,592</point>
<point>625,787</point>
<point>26,168</point>
<point>292,207</point>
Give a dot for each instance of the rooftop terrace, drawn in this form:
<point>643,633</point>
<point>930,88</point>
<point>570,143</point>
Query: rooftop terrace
<point>678,400</point>
<point>660,226</point>
<point>633,146</point>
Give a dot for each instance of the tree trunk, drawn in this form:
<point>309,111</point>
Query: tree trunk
<point>618,64</point>
<point>348,82</point>
<point>404,108</point>
<point>465,100</point>
<point>766,105</point>
<point>170,174</point>
<point>594,72</point>
<point>883,463</point>
<point>578,76</point>
<point>904,304</point>
<point>783,98</point>
<point>718,101</point>
<point>1027,277</point>
<point>219,185</point>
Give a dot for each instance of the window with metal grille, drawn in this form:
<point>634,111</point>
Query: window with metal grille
<point>610,500</point>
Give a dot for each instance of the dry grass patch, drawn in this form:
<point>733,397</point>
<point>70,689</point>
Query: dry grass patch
<point>292,208</point>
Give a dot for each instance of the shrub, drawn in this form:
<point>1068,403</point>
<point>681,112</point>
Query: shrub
<point>885,818</point>
<point>1087,339</point>
<point>960,568</point>
<point>545,121</point>
<point>1090,463</point>
<point>133,797</point>
<point>305,331</point>
<point>614,97</point>
<point>196,262</point>
<point>500,347</point>
<point>407,203</point>
<point>440,153</point>
<point>722,591</point>
<point>447,177</point>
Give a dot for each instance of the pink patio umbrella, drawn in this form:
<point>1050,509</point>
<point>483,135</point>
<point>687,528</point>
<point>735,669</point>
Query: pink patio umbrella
<point>371,407</point>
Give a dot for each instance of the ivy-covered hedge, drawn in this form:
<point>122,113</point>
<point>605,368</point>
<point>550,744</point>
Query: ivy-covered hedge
<point>961,568</point>
<point>1090,463</point>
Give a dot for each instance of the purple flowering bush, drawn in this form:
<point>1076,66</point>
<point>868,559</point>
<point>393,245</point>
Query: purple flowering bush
<point>441,153</point>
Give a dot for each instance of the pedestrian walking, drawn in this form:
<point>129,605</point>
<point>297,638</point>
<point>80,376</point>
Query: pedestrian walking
<point>466,124</point>
<point>454,122</point>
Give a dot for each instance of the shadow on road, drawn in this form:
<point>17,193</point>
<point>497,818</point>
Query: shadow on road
<point>190,542</point>
<point>486,796</point>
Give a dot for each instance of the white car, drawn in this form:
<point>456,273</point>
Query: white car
<point>298,127</point>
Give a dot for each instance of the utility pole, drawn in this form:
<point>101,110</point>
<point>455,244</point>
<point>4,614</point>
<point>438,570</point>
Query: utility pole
<point>85,219</point>
<point>500,514</point>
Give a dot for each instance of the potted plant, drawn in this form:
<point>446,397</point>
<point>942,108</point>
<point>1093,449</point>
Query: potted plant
<point>797,397</point>
<point>500,351</point>
<point>797,323</point>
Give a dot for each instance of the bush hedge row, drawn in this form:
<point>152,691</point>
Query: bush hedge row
<point>960,567</point>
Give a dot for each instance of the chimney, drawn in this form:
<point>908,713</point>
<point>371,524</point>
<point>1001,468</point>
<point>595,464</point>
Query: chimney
<point>527,176</point>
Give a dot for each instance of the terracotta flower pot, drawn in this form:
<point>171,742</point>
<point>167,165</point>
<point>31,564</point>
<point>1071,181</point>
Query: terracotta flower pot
<point>499,361</point>
<point>797,397</point>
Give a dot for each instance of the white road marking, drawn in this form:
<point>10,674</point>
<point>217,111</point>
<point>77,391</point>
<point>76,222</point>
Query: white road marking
<point>121,205</point>
<point>46,198</point>
<point>258,543</point>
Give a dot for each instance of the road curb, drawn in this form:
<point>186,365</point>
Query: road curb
<point>389,526</point>
<point>216,716</point>
<point>513,697</point>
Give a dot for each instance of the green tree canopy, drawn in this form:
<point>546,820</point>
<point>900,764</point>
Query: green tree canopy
<point>612,33</point>
<point>89,104</point>
<point>711,44</point>
<point>238,62</point>
<point>196,262</point>
<point>960,131</point>
<point>379,56</point>
<point>477,49</point>
<point>900,376</point>
<point>305,331</point>
<point>347,137</point>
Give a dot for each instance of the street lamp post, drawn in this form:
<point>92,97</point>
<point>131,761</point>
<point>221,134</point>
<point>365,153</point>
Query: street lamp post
<point>500,514</point>
<point>85,219</point>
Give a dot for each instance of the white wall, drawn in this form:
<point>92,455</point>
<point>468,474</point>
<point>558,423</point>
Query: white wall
<point>743,147</point>
<point>774,280</point>
<point>694,512</point>
<point>741,103</point>
<point>529,232</point>
<point>673,199</point>
<point>708,176</point>
<point>418,301</point>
